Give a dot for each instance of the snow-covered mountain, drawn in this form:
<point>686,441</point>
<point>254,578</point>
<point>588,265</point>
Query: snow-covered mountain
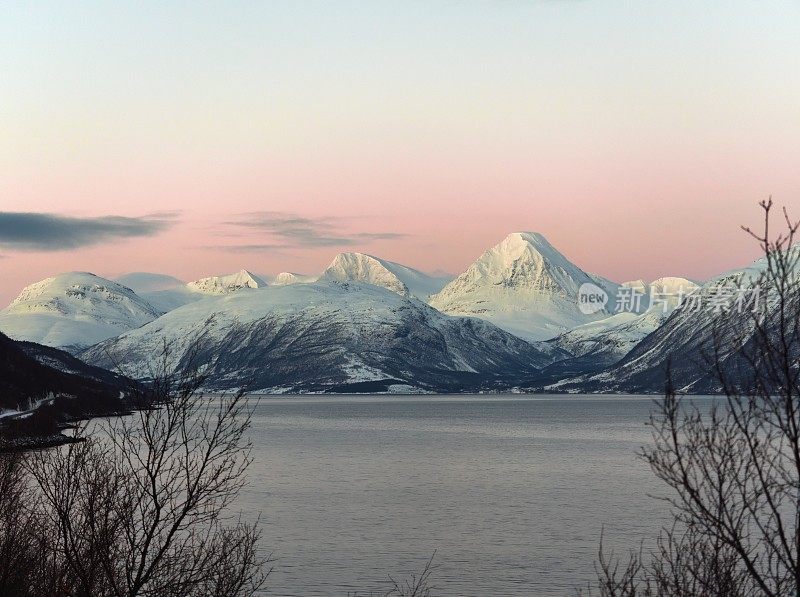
<point>405,281</point>
<point>143,282</point>
<point>525,286</point>
<point>167,300</point>
<point>671,289</point>
<point>329,336</point>
<point>684,340</point>
<point>637,293</point>
<point>608,340</point>
<point>219,285</point>
<point>74,310</point>
<point>637,296</point>
<point>287,278</point>
<point>164,292</point>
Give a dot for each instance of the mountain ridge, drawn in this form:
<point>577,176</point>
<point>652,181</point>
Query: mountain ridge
<point>328,335</point>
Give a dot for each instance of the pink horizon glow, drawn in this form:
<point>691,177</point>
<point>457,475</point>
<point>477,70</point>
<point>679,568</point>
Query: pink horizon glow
<point>638,154</point>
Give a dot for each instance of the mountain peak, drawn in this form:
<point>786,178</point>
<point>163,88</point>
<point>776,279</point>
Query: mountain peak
<point>218,285</point>
<point>355,257</point>
<point>674,282</point>
<point>359,267</point>
<point>521,241</point>
<point>522,284</point>
<point>74,309</point>
<point>525,247</point>
<point>51,288</point>
<point>525,260</point>
<point>368,269</point>
<point>535,238</point>
<point>288,278</point>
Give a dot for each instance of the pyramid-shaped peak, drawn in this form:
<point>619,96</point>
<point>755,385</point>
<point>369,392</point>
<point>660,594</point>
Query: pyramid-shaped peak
<point>248,275</point>
<point>227,284</point>
<point>523,247</point>
<point>527,240</point>
<point>523,284</point>
<point>243,279</point>
<point>528,237</point>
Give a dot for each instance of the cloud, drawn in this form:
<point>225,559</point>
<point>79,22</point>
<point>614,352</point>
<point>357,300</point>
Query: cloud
<point>256,248</point>
<point>28,231</point>
<point>297,231</point>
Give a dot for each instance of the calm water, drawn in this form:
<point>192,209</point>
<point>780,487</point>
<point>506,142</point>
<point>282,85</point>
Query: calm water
<point>511,492</point>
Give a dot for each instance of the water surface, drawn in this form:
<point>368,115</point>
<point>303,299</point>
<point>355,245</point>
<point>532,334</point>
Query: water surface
<point>511,491</point>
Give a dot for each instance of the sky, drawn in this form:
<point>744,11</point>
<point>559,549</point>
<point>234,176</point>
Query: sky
<point>196,139</point>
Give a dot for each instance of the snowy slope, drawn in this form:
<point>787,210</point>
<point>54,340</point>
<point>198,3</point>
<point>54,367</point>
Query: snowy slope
<point>525,286</point>
<point>674,287</point>
<point>684,339</point>
<point>164,292</point>
<point>610,339</point>
<point>219,285</point>
<point>642,289</point>
<point>74,310</point>
<point>142,282</point>
<point>358,267</point>
<point>167,293</point>
<point>664,292</point>
<point>167,300</point>
<point>325,336</point>
<point>286,278</point>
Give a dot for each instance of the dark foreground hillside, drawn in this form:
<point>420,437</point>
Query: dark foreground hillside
<point>42,389</point>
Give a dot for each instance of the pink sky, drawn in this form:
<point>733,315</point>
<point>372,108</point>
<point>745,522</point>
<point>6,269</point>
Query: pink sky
<point>637,155</point>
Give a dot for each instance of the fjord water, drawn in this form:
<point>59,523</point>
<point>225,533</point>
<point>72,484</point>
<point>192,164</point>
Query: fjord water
<point>511,491</point>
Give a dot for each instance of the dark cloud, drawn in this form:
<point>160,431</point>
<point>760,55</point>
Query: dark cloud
<point>294,231</point>
<point>50,232</point>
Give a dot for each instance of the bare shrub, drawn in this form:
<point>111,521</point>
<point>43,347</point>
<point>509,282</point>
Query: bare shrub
<point>141,507</point>
<point>733,472</point>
